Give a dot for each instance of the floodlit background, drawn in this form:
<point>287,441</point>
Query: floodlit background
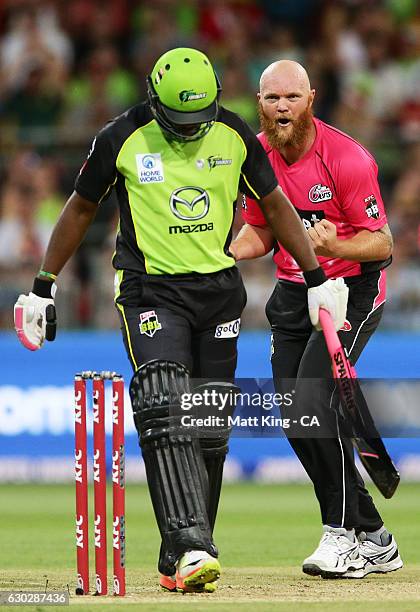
<point>66,67</point>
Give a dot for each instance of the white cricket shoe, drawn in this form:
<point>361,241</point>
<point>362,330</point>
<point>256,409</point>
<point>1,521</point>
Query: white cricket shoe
<point>377,559</point>
<point>335,555</point>
<point>196,568</point>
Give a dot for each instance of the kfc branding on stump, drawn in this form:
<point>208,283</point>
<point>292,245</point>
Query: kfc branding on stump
<point>99,482</point>
<point>78,467</point>
<point>79,532</point>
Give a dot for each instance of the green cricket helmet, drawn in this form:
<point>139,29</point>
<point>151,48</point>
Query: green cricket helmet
<point>183,92</point>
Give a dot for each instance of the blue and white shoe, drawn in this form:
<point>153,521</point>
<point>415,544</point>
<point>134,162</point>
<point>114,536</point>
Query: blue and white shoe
<point>377,559</point>
<point>336,554</point>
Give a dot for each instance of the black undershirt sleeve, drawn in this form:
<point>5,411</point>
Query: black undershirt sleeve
<point>257,175</point>
<point>98,174</point>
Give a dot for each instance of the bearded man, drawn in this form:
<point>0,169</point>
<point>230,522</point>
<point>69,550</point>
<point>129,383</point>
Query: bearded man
<point>332,181</point>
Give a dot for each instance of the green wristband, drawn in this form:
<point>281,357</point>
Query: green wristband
<point>47,275</point>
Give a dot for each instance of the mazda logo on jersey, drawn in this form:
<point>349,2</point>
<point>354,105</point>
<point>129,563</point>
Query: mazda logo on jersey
<point>189,203</point>
<point>310,217</point>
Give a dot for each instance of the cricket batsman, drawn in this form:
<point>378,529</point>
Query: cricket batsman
<point>176,162</point>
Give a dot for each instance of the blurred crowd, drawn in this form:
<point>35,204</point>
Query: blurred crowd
<point>66,67</point>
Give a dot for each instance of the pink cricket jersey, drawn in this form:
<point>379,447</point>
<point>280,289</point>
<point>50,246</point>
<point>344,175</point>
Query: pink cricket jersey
<point>336,180</point>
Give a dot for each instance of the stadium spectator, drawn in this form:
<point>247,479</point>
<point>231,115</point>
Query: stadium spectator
<point>35,106</point>
<point>101,91</point>
<point>404,282</point>
<point>45,181</point>
<point>236,95</point>
<point>274,40</point>
<point>22,240</point>
<point>363,58</point>
<point>35,56</point>
<point>33,26</point>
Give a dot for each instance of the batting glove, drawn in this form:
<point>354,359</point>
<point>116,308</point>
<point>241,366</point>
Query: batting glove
<point>35,315</point>
<point>331,295</point>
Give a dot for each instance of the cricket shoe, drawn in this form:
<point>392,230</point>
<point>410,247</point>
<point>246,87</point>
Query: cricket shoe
<point>335,555</point>
<point>377,559</point>
<point>168,583</point>
<point>196,569</point>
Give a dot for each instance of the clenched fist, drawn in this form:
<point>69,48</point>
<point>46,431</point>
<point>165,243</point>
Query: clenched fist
<point>324,239</point>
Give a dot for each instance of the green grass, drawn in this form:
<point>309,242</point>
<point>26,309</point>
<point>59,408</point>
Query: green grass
<point>263,533</point>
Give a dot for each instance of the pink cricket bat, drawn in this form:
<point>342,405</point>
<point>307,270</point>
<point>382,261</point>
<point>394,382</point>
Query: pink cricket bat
<point>366,439</point>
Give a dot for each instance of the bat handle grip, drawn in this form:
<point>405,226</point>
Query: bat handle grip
<point>332,340</point>
<point>331,336</point>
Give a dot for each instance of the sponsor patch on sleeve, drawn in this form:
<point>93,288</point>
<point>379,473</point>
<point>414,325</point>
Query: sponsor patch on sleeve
<point>228,330</point>
<point>372,209</point>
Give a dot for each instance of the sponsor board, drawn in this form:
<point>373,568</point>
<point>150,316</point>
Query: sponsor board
<point>265,467</point>
<point>47,410</point>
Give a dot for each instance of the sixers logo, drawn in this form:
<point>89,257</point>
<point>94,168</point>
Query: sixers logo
<point>347,326</point>
<point>320,193</point>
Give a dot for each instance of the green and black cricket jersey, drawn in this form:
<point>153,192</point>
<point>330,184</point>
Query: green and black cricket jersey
<point>177,199</point>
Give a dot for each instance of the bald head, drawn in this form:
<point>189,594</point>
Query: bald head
<point>285,73</point>
<point>285,107</point>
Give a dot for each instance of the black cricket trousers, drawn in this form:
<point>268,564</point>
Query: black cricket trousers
<point>300,357</point>
<point>193,319</point>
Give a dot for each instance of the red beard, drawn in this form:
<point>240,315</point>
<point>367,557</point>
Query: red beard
<point>279,138</point>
